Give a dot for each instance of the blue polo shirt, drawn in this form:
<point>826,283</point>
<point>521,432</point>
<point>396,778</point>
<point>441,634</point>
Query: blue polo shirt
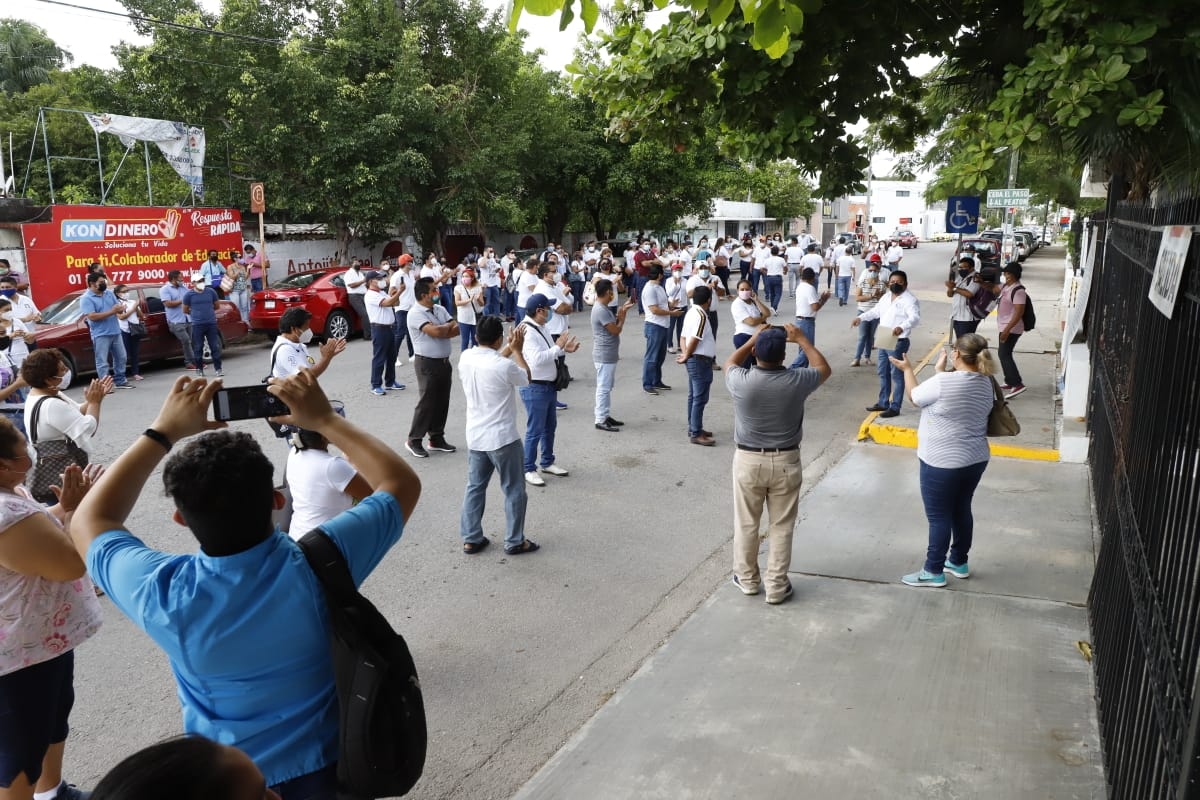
<point>175,316</point>
<point>202,305</point>
<point>90,303</point>
<point>247,635</point>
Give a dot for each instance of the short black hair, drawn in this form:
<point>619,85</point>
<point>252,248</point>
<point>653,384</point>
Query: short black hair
<point>603,287</point>
<point>8,279</point>
<point>293,319</point>
<point>198,478</point>
<point>656,271</point>
<point>701,295</point>
<point>546,267</point>
<point>423,288</point>
<point>967,260</point>
<point>184,768</point>
<point>899,273</point>
<point>95,277</point>
<point>808,274</point>
<point>490,329</point>
<point>173,274</point>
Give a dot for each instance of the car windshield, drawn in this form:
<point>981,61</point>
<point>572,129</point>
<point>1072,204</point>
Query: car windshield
<point>298,281</point>
<point>65,309</point>
<point>984,246</point>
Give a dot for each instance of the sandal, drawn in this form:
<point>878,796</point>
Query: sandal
<point>475,548</point>
<point>527,546</point>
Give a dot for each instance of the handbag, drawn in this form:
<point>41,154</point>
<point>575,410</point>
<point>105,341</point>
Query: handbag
<point>226,284</point>
<point>1001,421</point>
<point>53,458</point>
<point>137,330</point>
<point>562,375</point>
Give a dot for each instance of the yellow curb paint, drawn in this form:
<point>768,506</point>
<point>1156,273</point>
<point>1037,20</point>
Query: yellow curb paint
<point>900,436</point>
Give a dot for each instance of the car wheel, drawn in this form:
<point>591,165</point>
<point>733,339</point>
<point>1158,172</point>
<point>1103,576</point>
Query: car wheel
<point>337,326</point>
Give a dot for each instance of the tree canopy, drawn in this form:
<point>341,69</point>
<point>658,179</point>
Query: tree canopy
<point>27,56</point>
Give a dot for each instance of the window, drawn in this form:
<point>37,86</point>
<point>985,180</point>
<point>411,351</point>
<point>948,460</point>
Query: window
<point>903,193</point>
<point>878,220</point>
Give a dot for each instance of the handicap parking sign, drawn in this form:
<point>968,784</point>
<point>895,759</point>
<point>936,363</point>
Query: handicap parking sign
<point>962,214</point>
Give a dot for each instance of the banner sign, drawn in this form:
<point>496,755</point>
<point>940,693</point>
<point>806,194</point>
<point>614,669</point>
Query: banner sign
<point>183,145</point>
<point>134,244</point>
<point>1168,267</point>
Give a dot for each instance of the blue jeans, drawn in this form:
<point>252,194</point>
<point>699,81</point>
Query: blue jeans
<point>467,333</point>
<point>446,298</point>
<point>242,301</point>
<point>383,356</point>
<point>656,351</point>
<point>605,377</point>
<point>674,331</point>
<point>577,295</point>
<point>106,346</point>
<point>756,277</point>
<point>319,785</point>
<point>866,338</point>
<point>843,289</point>
<point>256,284</point>
<point>480,466</point>
<point>740,339</point>
<point>947,494</point>
<point>519,315</point>
<point>773,288</point>
<point>206,332</point>
<point>642,280</point>
<point>891,379</point>
<point>700,377</point>
<point>539,402</point>
<point>400,333</point>
<point>808,325</point>
<point>491,300</point>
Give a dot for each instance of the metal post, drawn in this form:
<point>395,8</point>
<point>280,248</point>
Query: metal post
<point>149,187</point>
<point>867,215</point>
<point>46,147</point>
<point>100,167</point>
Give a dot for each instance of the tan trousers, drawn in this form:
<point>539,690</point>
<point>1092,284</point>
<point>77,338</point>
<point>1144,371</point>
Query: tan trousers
<point>773,480</point>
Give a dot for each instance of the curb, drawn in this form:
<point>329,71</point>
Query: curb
<point>900,436</point>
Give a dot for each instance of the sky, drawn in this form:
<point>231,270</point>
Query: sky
<point>90,35</point>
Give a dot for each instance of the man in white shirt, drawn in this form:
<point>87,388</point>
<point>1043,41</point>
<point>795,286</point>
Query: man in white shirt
<point>493,442</point>
<point>289,353</point>
<point>898,313</point>
<point>23,324</point>
<point>550,285</point>
<point>489,278</point>
<point>812,260</point>
<point>808,303</point>
<point>526,279</point>
<point>356,291</point>
<point>792,255</point>
<point>402,281</point>
<point>381,311</point>
<point>698,354</point>
<point>961,289</point>
<point>845,276</point>
<point>657,329</point>
<point>762,249</point>
<point>541,354</point>
<point>895,254</point>
<point>773,268</point>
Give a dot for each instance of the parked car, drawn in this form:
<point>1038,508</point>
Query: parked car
<point>321,291</point>
<point>987,250</point>
<point>906,239</point>
<point>853,242</point>
<point>1025,240</point>
<point>63,327</point>
<point>942,236</point>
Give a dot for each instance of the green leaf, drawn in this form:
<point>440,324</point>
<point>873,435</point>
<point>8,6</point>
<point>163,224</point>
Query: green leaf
<point>719,12</point>
<point>589,12</point>
<point>1114,70</point>
<point>541,8</point>
<point>769,28</point>
<point>565,17</point>
<point>514,16</point>
<point>751,9</point>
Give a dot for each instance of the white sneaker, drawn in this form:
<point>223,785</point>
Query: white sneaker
<point>399,362</point>
<point>555,469</point>
<point>533,479</point>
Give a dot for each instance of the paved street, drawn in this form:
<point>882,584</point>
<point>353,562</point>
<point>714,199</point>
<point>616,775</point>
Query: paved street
<point>515,654</point>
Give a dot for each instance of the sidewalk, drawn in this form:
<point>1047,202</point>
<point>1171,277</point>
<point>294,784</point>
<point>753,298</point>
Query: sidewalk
<point>861,687</point>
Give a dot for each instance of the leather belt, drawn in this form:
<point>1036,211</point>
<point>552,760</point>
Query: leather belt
<point>767,449</point>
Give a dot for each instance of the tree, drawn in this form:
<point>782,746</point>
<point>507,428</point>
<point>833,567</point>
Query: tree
<point>778,185</point>
<point>27,56</point>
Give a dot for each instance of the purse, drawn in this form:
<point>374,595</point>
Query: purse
<point>1001,421</point>
<point>137,330</point>
<point>226,284</point>
<point>53,458</point>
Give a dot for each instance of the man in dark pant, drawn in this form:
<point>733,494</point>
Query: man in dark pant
<point>381,304</point>
<point>432,330</point>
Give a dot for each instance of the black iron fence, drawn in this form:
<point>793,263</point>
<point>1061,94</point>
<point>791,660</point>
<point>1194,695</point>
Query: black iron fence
<point>1145,460</point>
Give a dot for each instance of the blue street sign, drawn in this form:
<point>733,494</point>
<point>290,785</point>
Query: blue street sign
<point>962,214</point>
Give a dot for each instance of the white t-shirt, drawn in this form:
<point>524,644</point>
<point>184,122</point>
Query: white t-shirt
<point>696,326</point>
<point>794,253</point>
<point>812,261</point>
<point>318,481</point>
<point>353,275</point>
<point>467,314</point>
<point>741,310</point>
<point>488,380</point>
<point>676,291</point>
<point>288,357</point>
<point>378,314</point>
<point>806,296</point>
<point>406,298</point>
<point>611,276</point>
<point>526,282</point>
<point>60,419</point>
<point>894,254</point>
<point>655,295</point>
<point>713,282</point>
<point>845,266</point>
<point>774,265</point>
<point>761,254</point>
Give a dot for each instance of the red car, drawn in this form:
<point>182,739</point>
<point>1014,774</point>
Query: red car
<point>321,291</point>
<point>63,327</point>
<point>906,239</point>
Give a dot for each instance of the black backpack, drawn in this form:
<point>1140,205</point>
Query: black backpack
<point>1029,318</point>
<point>381,736</point>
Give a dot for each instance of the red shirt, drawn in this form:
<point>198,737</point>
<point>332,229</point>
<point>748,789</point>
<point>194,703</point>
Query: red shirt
<point>639,261</point>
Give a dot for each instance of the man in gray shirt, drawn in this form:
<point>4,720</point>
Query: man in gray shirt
<point>768,422</point>
<point>606,341</point>
<point>432,330</point>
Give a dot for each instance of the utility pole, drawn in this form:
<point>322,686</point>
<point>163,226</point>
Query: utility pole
<point>1009,245</point>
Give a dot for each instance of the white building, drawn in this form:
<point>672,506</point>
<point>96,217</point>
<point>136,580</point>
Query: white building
<point>897,205</point>
<point>728,219</point>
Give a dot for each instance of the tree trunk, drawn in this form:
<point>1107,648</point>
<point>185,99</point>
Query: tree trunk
<point>344,238</point>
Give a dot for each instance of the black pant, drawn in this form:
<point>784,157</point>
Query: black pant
<point>433,382</point>
<point>358,302</point>
<point>383,356</point>
<point>963,327</point>
<point>1012,376</point>
<point>132,345</point>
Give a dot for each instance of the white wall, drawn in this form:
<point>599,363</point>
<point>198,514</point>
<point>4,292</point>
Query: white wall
<point>886,203</point>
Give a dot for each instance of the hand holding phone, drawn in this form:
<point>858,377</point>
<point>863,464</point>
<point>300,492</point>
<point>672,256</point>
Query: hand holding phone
<point>247,402</point>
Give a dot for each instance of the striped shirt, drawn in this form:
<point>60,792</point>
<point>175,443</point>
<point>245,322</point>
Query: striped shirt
<point>954,413</point>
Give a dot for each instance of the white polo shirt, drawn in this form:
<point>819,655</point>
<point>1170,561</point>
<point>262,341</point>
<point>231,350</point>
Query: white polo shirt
<point>488,380</point>
<point>696,326</point>
<point>376,313</point>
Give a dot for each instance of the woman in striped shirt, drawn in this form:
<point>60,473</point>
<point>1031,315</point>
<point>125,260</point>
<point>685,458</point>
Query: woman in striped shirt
<point>953,452</point>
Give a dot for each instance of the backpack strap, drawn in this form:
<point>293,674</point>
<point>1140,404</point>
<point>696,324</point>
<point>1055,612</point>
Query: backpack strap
<point>274,356</point>
<point>329,565</point>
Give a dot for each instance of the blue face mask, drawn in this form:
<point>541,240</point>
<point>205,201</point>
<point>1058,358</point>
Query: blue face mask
<point>8,292</point>
<point>549,313</point>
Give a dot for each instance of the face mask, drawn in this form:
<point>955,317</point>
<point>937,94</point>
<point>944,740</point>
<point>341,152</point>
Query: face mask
<point>102,285</point>
<point>744,294</point>
<point>896,288</point>
<point>962,273</point>
<point>645,248</point>
<point>704,242</point>
<point>8,292</point>
<point>704,273</point>
<point>306,337</point>
<point>467,280</point>
<point>677,274</point>
<point>549,314</point>
<point>65,380</point>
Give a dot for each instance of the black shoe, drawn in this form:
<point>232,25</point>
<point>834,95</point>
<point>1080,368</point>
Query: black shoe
<point>414,446</point>
<point>649,391</point>
<point>876,407</point>
<point>890,413</point>
<point>605,426</point>
<point>661,386</point>
<point>614,422</point>
<point>442,446</point>
<point>527,546</point>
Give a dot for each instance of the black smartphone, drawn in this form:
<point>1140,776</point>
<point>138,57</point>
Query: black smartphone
<point>247,402</point>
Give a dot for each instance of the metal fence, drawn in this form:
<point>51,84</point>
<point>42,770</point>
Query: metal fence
<point>1145,460</point>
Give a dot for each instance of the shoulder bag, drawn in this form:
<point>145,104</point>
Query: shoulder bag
<point>53,458</point>
<point>1001,421</point>
<point>562,375</point>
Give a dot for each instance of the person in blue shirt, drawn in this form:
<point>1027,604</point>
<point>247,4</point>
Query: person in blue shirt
<point>243,622</point>
<point>200,304</point>
<point>100,307</point>
<point>213,271</point>
<point>172,294</point>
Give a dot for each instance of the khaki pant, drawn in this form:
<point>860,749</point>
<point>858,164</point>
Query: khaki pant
<point>773,479</point>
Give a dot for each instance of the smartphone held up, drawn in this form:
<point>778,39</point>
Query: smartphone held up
<point>247,402</point>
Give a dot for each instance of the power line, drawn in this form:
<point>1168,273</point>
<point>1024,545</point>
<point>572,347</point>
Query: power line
<point>180,26</point>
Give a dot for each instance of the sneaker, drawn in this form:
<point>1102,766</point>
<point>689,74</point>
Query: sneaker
<point>414,446</point>
<point>747,590</point>
<point>924,578</point>
<point>662,387</point>
<point>779,598</point>
<point>442,446</point>
<point>672,350</point>
<point>1004,387</point>
<point>394,385</point>
<point>559,405</point>
<point>138,378</point>
<point>533,479</point>
<point>958,570</point>
<point>378,391</point>
<point>399,362</point>
<point>649,391</point>
<point>124,385</point>
<point>1013,392</point>
<point>605,426</point>
<point>555,469</point>
<point>616,423</point>
<point>220,373</point>
<point>854,363</point>
<point>69,791</point>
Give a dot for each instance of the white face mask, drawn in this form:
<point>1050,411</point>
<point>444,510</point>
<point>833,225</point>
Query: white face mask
<point>306,337</point>
<point>645,248</point>
<point>704,273</point>
<point>65,380</point>
<point>744,294</point>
